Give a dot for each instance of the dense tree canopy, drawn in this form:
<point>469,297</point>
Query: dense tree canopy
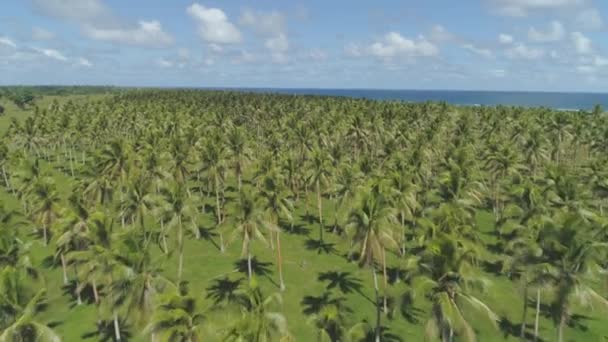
<point>385,220</point>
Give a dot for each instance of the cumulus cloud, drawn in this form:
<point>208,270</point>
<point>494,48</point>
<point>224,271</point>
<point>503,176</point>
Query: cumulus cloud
<point>8,42</point>
<point>582,43</point>
<point>589,19</point>
<point>522,51</point>
<point>148,33</point>
<point>555,32</point>
<point>505,39</point>
<point>84,62</point>
<point>99,23</point>
<point>393,44</point>
<point>520,8</point>
<point>81,11</point>
<point>264,23</point>
<point>278,47</point>
<point>52,53</point>
<point>479,51</point>
<point>165,63</point>
<point>42,34</point>
<point>440,34</point>
<point>213,25</point>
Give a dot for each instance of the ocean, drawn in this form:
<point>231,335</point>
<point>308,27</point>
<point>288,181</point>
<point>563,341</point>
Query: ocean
<point>555,100</point>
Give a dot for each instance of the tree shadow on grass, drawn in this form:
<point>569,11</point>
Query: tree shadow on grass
<point>309,218</point>
<point>321,247</point>
<point>86,294</point>
<point>259,268</point>
<point>385,334</point>
<point>294,229</point>
<point>105,331</point>
<point>208,234</point>
<point>511,329</point>
<point>224,291</point>
<point>313,304</point>
<point>344,281</point>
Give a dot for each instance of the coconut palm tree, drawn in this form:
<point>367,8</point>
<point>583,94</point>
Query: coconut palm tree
<point>46,206</point>
<point>258,322</point>
<point>177,317</point>
<point>180,210</point>
<point>20,305</point>
<point>250,221</point>
<point>370,225</point>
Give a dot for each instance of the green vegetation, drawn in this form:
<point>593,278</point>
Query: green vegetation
<point>184,215</point>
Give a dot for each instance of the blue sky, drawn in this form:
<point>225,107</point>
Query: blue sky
<point>550,45</point>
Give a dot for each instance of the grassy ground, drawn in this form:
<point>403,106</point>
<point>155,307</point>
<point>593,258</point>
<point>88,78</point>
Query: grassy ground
<point>302,266</point>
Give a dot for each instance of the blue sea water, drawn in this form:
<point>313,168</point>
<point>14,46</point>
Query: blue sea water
<point>564,101</point>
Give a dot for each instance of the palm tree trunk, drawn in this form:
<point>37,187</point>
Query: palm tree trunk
<point>280,262</point>
<point>180,242</point>
<point>536,319</point>
<point>377,292</point>
<point>8,185</point>
<point>64,269</point>
<point>562,323</point>
<point>385,281</point>
<point>218,211</point>
<point>320,208</point>
<point>95,292</point>
<point>522,332</point>
<point>44,234</point>
<point>116,327</point>
<point>249,268</point>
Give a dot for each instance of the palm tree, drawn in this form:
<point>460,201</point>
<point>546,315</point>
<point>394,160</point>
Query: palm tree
<point>370,224</point>
<point>249,223</point>
<point>20,306</point>
<point>178,316</point>
<point>180,210</point>
<point>46,208</point>
<point>575,253</point>
<point>213,164</point>
<point>258,323</point>
<point>319,176</point>
<point>237,144</point>
<point>276,203</point>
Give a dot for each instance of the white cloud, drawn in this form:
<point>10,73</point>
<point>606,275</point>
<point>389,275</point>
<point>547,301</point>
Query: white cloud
<point>81,11</point>
<point>42,34</point>
<point>522,51</point>
<point>278,47</point>
<point>278,43</point>
<point>589,19</point>
<point>8,42</point>
<point>244,57</point>
<point>505,39</point>
<point>555,32</point>
<point>148,33</point>
<point>353,50</point>
<point>215,48</point>
<point>520,8</point>
<point>213,25</point>
<point>317,55</point>
<point>582,44</point>
<point>600,61</point>
<point>165,63</point>
<point>51,53</point>
<point>393,44</point>
<point>479,51</point>
<point>440,34</point>
<point>264,23</point>
<point>99,23</point>
<point>84,62</point>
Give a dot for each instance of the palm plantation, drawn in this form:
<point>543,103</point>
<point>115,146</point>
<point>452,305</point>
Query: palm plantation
<point>187,215</point>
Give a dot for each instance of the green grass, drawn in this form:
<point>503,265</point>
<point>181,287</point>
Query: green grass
<point>204,263</point>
